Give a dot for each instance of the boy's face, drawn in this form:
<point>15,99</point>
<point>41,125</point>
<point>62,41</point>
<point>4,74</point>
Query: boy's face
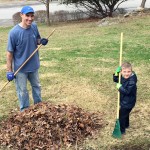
<point>126,72</point>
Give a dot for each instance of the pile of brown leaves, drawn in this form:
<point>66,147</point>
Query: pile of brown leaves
<point>46,126</point>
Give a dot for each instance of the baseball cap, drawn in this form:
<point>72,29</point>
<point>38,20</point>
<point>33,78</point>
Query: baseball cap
<point>27,9</point>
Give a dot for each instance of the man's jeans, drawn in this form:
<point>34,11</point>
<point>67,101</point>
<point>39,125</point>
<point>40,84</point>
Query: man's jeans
<point>21,87</point>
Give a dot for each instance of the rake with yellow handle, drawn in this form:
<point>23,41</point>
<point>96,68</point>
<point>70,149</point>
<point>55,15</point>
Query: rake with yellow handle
<point>26,61</point>
<point>117,132</point>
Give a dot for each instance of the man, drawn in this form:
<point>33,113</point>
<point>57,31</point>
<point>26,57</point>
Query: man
<point>23,39</point>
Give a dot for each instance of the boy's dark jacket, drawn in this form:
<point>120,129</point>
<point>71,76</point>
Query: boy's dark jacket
<point>127,91</point>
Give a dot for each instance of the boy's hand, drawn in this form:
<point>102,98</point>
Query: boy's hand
<point>117,71</point>
<point>118,86</point>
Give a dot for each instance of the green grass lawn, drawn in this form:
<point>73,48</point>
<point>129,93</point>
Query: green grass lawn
<point>77,67</point>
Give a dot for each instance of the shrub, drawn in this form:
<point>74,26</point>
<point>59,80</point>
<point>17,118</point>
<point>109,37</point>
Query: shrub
<point>16,18</point>
<point>40,16</point>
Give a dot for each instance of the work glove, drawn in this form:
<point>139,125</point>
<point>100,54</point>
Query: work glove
<point>43,41</point>
<point>118,86</point>
<point>10,76</point>
<point>117,71</point>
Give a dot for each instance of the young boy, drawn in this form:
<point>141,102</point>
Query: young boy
<point>128,90</point>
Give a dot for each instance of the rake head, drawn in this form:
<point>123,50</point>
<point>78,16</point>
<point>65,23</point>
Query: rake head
<point>117,132</point>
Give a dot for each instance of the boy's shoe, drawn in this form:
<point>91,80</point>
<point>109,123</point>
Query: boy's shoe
<point>123,133</point>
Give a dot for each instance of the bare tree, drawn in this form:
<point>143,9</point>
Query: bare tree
<point>46,2</point>
<point>102,8</point>
<point>143,4</point>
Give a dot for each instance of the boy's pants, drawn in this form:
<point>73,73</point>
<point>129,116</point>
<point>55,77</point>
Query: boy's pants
<point>124,119</point>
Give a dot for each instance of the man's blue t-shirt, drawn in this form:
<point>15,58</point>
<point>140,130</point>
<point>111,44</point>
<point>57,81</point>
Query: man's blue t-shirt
<point>22,42</point>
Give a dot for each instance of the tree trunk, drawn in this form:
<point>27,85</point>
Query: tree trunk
<point>111,9</point>
<point>47,12</point>
<point>143,4</point>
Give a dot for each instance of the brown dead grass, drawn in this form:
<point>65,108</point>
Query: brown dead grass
<point>74,91</point>
<point>47,63</point>
<point>3,67</point>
